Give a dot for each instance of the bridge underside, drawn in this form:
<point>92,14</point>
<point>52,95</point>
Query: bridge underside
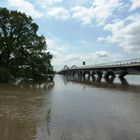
<point>108,72</point>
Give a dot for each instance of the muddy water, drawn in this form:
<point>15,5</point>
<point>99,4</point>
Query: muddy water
<point>71,109</point>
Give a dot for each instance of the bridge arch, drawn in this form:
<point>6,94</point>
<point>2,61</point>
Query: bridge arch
<point>74,67</point>
<point>65,67</point>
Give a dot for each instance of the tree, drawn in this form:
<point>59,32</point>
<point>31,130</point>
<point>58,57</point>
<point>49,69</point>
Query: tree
<point>23,53</point>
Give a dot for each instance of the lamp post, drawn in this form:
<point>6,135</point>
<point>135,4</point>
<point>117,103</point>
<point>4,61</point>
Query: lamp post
<point>84,63</point>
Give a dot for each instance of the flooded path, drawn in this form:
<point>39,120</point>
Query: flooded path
<point>71,109</point>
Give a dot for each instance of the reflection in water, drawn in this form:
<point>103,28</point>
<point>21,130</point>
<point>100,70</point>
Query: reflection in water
<point>24,109</point>
<point>103,82</point>
<point>94,112</point>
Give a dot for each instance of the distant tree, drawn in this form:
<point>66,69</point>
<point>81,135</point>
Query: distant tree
<point>23,53</point>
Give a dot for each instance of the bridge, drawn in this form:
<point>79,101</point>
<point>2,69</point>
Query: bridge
<point>106,70</point>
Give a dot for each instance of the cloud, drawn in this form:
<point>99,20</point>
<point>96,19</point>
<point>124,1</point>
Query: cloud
<point>103,9</point>
<point>90,58</point>
<point>25,6</point>
<point>55,46</point>
<point>100,39</point>
<point>135,4</point>
<point>100,10</point>
<point>53,1</point>
<point>83,14</point>
<point>102,53</point>
<point>97,10</point>
<point>73,59</point>
<point>125,33</point>
<point>62,56</point>
<point>60,51</point>
<point>59,13</point>
<point>47,3</point>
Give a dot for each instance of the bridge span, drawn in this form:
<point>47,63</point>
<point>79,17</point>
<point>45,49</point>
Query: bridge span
<point>106,70</point>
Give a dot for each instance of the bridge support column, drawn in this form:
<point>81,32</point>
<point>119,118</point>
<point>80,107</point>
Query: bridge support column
<point>69,73</point>
<point>66,73</point>
<point>86,73</point>
<point>93,73</point>
<point>124,82</point>
<point>99,73</point>
<point>122,74</point>
<point>80,73</point>
<point>72,73</point>
<point>93,78</point>
<point>109,80</point>
<point>109,74</point>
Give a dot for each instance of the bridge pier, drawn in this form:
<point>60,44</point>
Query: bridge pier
<point>109,74</point>
<point>124,82</point>
<point>93,73</point>
<point>80,74</point>
<point>109,80</point>
<point>93,78</point>
<point>69,73</point>
<point>120,67</point>
<point>122,74</point>
<point>66,73</point>
<point>86,73</point>
<point>99,73</point>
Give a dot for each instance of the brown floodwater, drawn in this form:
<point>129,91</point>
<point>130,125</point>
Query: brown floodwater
<point>71,109</point>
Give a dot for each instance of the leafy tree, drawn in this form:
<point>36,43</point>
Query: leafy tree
<point>23,53</point>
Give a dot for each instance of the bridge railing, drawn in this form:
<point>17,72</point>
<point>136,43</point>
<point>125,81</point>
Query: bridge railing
<point>116,63</point>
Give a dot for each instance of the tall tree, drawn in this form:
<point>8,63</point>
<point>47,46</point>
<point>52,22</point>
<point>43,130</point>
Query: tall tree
<point>23,53</point>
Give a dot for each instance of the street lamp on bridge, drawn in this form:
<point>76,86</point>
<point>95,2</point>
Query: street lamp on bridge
<point>84,63</point>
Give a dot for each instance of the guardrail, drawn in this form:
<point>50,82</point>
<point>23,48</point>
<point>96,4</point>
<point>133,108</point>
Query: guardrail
<point>110,64</point>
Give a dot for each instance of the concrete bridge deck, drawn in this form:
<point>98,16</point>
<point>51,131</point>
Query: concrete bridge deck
<point>107,69</point>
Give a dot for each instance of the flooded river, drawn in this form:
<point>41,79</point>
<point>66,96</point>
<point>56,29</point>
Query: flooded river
<point>71,109</point>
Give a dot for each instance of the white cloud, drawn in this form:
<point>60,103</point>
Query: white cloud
<point>100,10</point>
<point>60,51</point>
<point>62,55</point>
<point>85,15</point>
<point>59,13</point>
<point>125,33</point>
<point>103,9</point>
<point>100,39</point>
<point>53,1</point>
<point>102,53</point>
<point>90,58</point>
<point>25,6</point>
<point>55,47</point>
<point>135,4</point>
<point>47,3</point>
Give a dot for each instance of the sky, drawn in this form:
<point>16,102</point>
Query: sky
<point>94,31</point>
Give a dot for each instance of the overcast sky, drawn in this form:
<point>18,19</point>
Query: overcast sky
<point>94,31</point>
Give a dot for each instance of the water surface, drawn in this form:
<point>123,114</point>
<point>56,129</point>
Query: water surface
<point>71,109</point>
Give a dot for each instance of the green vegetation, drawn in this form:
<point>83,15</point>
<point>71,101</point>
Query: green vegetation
<point>23,53</point>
